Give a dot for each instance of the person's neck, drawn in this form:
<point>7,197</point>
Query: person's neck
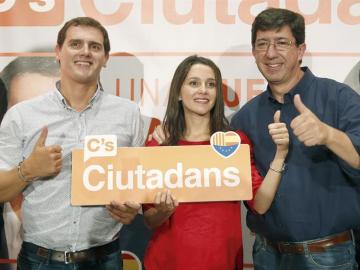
<point>280,90</point>
<point>77,95</point>
<point>197,128</point>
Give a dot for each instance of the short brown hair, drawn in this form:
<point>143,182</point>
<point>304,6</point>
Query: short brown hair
<point>84,21</point>
<point>276,18</point>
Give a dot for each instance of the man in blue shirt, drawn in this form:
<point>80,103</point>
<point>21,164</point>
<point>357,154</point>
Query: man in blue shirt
<point>318,200</point>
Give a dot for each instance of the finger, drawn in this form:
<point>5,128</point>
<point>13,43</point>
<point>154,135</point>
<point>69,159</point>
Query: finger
<point>58,162</point>
<point>133,205</point>
<point>58,165</point>
<point>43,135</point>
<point>159,134</point>
<point>280,136</point>
<point>156,136</point>
<point>304,137</point>
<point>299,105</point>
<point>117,216</point>
<point>163,198</point>
<point>281,141</point>
<point>175,201</point>
<point>277,116</point>
<point>55,148</point>
<point>276,128</point>
<point>150,137</point>
<point>300,129</point>
<point>55,156</point>
<point>117,206</point>
<point>169,201</point>
<point>310,142</point>
<point>157,198</point>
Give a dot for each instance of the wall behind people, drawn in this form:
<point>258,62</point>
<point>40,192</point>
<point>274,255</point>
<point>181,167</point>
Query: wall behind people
<point>149,38</point>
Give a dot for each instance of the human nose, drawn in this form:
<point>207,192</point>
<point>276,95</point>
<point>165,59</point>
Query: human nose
<point>86,49</point>
<point>271,50</point>
<point>203,88</point>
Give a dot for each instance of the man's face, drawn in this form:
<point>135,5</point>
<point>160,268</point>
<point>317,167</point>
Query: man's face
<point>82,55</point>
<point>279,66</point>
<point>29,85</point>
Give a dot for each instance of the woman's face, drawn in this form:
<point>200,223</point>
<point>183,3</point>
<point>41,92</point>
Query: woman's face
<point>198,92</point>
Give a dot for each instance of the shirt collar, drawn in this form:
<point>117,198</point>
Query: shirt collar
<point>299,88</point>
<point>98,93</point>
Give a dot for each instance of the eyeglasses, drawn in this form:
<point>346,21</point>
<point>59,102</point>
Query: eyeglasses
<point>279,44</point>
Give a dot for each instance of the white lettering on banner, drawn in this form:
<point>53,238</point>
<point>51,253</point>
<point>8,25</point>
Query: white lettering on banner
<point>42,6</point>
<point>179,13</point>
<point>96,178</point>
<point>6,5</point>
<point>38,5</point>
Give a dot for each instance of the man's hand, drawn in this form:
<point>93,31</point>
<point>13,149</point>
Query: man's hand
<point>44,160</point>
<point>307,127</point>
<point>123,212</point>
<point>279,134</point>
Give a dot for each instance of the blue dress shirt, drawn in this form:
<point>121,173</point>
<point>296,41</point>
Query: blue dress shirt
<point>319,194</point>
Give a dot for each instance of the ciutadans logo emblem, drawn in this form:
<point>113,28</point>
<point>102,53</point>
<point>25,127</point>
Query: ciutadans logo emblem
<point>100,146</point>
<point>225,143</point>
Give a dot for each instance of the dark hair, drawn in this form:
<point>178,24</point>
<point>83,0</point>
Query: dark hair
<point>276,18</point>
<point>84,21</point>
<point>3,100</point>
<point>44,65</point>
<point>174,121</point>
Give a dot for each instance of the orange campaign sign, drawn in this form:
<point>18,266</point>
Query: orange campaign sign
<point>218,172</point>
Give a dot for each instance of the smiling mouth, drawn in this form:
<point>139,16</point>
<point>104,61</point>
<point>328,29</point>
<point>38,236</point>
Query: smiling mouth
<point>272,68</point>
<point>83,63</point>
<point>273,65</point>
<point>201,100</point>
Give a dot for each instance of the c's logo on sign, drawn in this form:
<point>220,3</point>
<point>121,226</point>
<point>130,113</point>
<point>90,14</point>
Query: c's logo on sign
<point>100,146</point>
<point>31,13</point>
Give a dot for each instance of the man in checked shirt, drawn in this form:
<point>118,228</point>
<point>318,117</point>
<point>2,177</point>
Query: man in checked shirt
<point>36,138</point>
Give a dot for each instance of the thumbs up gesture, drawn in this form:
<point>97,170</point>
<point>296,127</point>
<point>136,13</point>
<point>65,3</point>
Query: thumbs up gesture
<point>307,127</point>
<point>44,160</point>
<point>280,135</point>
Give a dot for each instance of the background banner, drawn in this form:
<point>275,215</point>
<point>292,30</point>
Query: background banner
<point>149,38</point>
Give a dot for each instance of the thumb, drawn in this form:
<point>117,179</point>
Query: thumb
<point>43,135</point>
<point>299,105</point>
<point>277,116</point>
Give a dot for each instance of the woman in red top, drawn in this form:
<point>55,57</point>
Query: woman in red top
<point>205,235</point>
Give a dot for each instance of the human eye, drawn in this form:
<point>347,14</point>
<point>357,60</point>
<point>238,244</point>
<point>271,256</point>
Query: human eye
<point>282,43</point>
<point>75,44</point>
<point>261,44</point>
<point>194,83</point>
<point>211,84</point>
<point>96,47</point>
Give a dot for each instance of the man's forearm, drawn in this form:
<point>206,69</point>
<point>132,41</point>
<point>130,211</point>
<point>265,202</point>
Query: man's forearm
<point>10,184</point>
<point>340,144</point>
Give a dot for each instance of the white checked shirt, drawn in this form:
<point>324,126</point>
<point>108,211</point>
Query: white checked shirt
<point>48,218</point>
